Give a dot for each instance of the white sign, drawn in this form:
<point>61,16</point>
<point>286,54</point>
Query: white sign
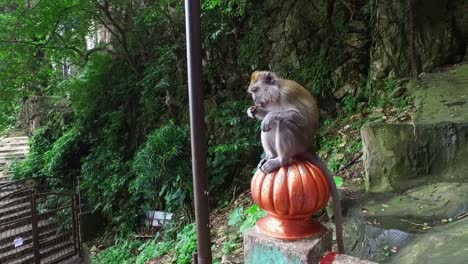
<point>158,218</point>
<point>18,242</point>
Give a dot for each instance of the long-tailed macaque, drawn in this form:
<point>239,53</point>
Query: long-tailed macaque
<point>290,120</point>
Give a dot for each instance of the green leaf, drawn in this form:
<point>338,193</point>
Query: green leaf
<point>236,216</point>
<point>252,209</point>
<point>338,181</point>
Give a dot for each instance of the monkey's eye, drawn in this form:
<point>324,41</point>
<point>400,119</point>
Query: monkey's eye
<point>254,89</point>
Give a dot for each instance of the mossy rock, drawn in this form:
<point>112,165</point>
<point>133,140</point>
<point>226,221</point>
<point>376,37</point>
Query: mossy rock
<point>400,156</point>
<point>431,149</point>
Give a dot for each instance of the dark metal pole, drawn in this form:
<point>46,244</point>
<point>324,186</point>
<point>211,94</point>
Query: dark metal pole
<point>35,230</point>
<point>200,181</point>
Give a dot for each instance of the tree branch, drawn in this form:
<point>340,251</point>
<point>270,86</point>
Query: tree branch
<point>123,38</point>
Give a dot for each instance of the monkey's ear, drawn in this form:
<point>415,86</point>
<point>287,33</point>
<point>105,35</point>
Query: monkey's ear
<point>270,78</point>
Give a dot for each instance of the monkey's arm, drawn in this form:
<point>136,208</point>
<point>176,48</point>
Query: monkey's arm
<point>257,112</point>
<point>291,117</point>
<point>314,159</point>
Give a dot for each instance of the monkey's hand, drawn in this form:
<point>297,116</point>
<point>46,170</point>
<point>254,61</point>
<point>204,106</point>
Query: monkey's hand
<point>251,111</point>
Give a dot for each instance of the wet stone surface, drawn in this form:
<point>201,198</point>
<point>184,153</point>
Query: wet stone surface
<point>426,224</point>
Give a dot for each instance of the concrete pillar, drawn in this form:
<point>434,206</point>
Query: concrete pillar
<point>262,249</point>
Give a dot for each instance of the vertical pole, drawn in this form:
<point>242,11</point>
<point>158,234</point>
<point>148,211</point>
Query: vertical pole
<point>35,230</point>
<point>74,225</point>
<point>197,136</point>
<point>76,220</point>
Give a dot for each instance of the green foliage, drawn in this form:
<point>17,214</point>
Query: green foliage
<point>153,249</point>
<point>129,250</point>
<point>379,93</point>
<point>246,219</point>
<point>349,104</point>
<point>8,109</point>
<point>233,141</point>
<point>338,181</point>
<point>186,244</point>
<point>162,169</point>
<point>331,146</point>
<point>61,151</point>
<point>33,165</point>
<point>243,220</point>
<point>228,7</point>
<point>122,252</point>
<point>253,51</point>
<point>315,74</point>
<point>105,177</point>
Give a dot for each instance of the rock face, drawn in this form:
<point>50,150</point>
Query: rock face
<point>323,44</point>
<point>412,36</point>
<point>431,149</point>
<point>401,156</point>
<point>332,47</point>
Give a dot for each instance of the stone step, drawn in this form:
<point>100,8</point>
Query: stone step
<point>13,138</point>
<point>15,143</point>
<point>433,148</point>
<point>16,132</point>
<point>13,146</point>
<point>15,149</point>
<point>333,258</point>
<point>8,161</point>
<point>5,173</point>
<point>11,156</point>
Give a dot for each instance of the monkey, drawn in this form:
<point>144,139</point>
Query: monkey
<point>290,122</point>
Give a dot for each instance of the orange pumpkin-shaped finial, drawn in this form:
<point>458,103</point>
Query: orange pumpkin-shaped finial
<point>290,196</point>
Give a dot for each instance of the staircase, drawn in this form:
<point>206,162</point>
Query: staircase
<point>13,147</point>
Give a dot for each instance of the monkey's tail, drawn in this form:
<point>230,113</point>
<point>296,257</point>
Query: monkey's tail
<point>314,159</point>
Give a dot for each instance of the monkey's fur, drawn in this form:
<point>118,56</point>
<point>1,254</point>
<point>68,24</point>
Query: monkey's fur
<point>290,119</point>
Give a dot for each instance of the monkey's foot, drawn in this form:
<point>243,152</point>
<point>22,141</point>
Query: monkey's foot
<point>260,164</point>
<point>271,165</point>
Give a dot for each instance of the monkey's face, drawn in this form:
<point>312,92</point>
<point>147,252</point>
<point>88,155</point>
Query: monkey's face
<point>264,88</point>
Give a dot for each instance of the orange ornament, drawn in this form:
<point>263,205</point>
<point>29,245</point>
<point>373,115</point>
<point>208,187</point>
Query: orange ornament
<point>290,196</point>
